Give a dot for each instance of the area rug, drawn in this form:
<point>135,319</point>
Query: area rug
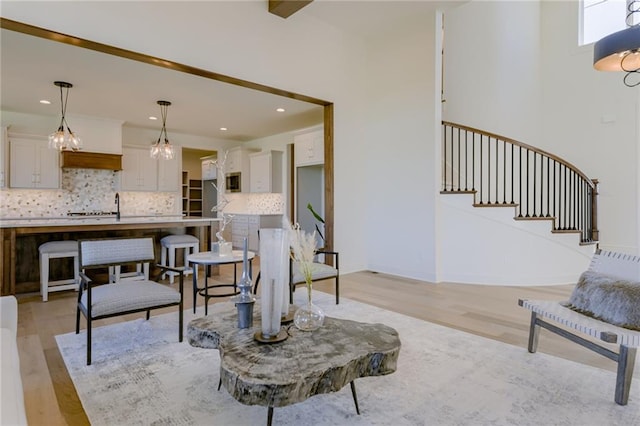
<point>141,375</point>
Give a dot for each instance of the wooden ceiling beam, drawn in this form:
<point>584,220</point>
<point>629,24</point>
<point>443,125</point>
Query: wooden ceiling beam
<point>286,8</point>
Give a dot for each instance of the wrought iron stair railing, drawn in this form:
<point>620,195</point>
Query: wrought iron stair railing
<point>504,172</point>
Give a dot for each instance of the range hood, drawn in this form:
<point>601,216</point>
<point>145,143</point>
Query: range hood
<point>90,160</point>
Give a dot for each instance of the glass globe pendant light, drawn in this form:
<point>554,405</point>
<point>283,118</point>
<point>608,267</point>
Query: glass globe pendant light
<point>64,138</point>
<point>163,148</point>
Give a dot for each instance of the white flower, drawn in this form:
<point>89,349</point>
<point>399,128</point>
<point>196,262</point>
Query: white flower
<point>303,249</point>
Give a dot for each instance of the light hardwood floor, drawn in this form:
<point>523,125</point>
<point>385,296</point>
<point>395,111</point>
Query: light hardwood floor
<point>489,311</point>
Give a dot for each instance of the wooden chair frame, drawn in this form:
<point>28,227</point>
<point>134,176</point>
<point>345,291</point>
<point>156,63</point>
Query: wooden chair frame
<point>574,324</point>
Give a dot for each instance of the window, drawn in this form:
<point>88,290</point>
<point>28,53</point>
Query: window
<point>601,18</point>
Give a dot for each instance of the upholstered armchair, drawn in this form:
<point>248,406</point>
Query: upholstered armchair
<point>97,301</point>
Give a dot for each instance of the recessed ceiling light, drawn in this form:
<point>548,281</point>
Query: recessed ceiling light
<point>280,109</point>
<point>153,118</point>
<point>223,129</point>
<point>46,102</point>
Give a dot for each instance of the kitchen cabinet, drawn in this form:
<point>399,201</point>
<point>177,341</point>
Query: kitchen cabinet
<point>236,158</point>
<point>265,171</point>
<point>248,225</point>
<point>34,165</point>
<point>169,172</point>
<point>238,162</point>
<point>139,170</point>
<point>309,148</point>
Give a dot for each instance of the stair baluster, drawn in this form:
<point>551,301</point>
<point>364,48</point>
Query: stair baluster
<point>548,187</point>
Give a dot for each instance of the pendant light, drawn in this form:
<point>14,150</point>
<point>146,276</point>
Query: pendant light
<point>620,51</point>
<point>64,138</point>
<point>163,148</point>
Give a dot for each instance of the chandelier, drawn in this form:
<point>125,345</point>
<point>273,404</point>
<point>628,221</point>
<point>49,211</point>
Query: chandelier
<point>64,138</point>
<point>163,148</point>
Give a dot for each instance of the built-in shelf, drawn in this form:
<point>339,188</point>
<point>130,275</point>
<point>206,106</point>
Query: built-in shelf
<point>191,195</point>
<point>195,197</point>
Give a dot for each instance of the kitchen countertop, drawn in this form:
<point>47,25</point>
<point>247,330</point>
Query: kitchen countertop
<point>26,222</point>
<point>20,237</point>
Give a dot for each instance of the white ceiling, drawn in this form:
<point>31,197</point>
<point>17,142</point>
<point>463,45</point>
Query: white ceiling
<point>121,89</point>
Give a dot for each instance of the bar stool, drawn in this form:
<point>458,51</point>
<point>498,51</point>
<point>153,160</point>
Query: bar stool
<point>58,250</point>
<point>172,243</point>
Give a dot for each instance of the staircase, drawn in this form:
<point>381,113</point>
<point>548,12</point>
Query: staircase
<point>502,172</point>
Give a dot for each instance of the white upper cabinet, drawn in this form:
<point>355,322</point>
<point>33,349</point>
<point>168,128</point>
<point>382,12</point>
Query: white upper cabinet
<point>33,164</point>
<point>170,172</point>
<point>139,170</point>
<point>238,162</point>
<point>309,148</point>
<point>235,159</point>
<point>266,171</point>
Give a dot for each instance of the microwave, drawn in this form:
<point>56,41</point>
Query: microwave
<point>233,182</point>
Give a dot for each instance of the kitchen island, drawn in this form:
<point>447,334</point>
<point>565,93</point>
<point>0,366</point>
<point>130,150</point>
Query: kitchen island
<point>21,238</point>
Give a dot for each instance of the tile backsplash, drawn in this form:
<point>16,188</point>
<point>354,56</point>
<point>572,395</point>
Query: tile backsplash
<point>84,190</point>
<point>255,203</point>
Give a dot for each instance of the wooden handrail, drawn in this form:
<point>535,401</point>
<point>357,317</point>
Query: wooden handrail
<point>523,145</point>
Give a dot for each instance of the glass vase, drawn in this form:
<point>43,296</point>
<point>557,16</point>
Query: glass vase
<point>308,317</point>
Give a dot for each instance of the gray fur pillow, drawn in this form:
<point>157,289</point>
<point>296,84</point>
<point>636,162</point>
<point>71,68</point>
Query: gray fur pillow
<point>608,299</point>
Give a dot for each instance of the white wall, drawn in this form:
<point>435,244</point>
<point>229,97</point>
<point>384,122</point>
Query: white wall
<point>398,153</point>
<point>503,251</point>
<point>492,67</point>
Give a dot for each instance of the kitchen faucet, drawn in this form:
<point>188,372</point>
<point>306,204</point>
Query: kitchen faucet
<point>118,206</point>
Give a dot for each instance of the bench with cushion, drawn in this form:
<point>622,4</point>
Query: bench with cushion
<point>604,306</point>
<point>123,297</point>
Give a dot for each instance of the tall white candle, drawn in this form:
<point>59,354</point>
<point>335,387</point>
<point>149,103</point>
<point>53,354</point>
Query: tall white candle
<point>273,270</point>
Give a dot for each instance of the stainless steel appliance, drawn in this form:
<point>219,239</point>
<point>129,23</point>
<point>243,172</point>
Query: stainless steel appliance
<point>233,182</point>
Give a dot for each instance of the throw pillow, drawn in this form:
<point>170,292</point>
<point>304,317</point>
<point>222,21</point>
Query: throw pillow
<point>608,299</point>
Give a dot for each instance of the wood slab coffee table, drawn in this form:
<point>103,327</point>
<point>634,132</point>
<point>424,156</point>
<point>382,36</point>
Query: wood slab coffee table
<point>304,365</point>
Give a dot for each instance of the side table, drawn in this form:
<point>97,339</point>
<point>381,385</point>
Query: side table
<point>208,258</point>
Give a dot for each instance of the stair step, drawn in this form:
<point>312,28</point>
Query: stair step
<point>495,205</point>
<point>566,231</point>
<point>534,218</point>
<point>588,243</point>
<point>459,191</point>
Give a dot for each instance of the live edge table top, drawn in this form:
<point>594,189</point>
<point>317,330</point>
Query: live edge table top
<point>303,365</point>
